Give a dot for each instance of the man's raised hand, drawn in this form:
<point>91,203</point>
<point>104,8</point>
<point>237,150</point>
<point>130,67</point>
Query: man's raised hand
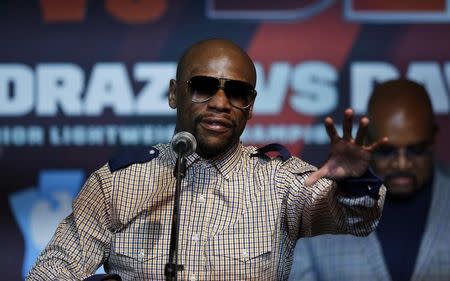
<point>349,157</point>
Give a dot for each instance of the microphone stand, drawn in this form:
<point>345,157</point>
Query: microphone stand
<point>172,268</point>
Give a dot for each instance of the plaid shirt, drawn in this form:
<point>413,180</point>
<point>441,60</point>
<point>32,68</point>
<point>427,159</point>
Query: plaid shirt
<point>240,217</point>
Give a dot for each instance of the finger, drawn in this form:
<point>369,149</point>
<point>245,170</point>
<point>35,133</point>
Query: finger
<point>362,131</point>
<point>315,176</point>
<point>348,124</point>
<point>331,130</point>
<point>376,144</point>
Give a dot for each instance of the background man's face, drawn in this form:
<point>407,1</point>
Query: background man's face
<point>405,163</point>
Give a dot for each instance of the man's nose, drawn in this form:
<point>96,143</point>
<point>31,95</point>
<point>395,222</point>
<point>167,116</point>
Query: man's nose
<point>219,100</point>
<point>402,160</point>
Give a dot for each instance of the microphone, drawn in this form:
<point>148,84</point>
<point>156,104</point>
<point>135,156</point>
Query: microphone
<point>184,143</point>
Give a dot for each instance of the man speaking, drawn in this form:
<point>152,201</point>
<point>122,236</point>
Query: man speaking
<point>241,212</point>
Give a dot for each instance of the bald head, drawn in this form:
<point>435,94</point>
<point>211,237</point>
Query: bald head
<point>216,122</point>
<point>401,110</point>
<point>398,106</point>
<point>213,48</point>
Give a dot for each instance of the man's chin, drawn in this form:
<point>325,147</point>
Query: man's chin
<point>211,148</point>
<point>211,144</point>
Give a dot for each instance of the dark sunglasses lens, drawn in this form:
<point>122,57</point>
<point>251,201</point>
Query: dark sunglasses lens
<point>240,93</point>
<point>204,83</point>
<point>385,151</point>
<point>203,87</point>
<point>417,150</point>
<point>412,151</point>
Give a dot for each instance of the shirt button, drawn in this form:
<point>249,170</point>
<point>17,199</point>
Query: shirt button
<point>193,277</point>
<point>195,237</point>
<point>151,151</point>
<point>202,198</point>
<point>245,255</point>
<point>141,254</point>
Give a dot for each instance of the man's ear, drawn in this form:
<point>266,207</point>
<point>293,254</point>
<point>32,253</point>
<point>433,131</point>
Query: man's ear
<point>173,94</point>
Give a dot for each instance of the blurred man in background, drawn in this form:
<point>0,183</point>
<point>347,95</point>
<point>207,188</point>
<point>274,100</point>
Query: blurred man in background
<point>412,241</point>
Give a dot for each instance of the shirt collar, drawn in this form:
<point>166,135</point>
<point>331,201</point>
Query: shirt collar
<point>225,164</point>
<point>228,162</point>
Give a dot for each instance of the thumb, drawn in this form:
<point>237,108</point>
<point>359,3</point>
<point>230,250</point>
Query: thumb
<point>315,176</point>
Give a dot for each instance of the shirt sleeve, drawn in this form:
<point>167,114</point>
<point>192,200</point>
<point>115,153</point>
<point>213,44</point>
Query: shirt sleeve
<point>368,184</point>
<point>329,207</point>
<point>82,240</point>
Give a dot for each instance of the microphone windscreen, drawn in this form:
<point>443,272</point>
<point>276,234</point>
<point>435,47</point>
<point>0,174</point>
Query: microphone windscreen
<point>184,143</point>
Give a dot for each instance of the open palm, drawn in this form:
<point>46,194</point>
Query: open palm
<point>349,157</point>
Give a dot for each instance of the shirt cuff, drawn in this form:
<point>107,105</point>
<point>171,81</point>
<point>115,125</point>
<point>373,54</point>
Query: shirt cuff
<point>366,185</point>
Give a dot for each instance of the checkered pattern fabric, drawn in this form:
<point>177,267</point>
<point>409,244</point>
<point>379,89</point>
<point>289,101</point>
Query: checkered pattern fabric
<point>240,218</point>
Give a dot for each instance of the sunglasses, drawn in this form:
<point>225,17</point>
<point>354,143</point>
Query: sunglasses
<point>240,94</point>
<point>414,151</point>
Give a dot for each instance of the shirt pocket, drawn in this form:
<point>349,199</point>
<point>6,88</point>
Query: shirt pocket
<point>139,250</point>
<point>242,256</point>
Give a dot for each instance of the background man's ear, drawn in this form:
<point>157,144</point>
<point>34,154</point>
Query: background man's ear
<point>173,94</point>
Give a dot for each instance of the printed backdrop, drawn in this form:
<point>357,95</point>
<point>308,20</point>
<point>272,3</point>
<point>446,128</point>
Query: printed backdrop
<point>80,79</point>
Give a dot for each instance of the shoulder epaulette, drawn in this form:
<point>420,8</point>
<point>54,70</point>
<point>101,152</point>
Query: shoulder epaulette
<point>131,156</point>
<point>282,151</point>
